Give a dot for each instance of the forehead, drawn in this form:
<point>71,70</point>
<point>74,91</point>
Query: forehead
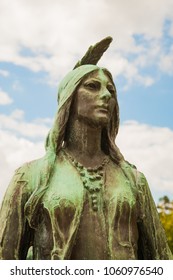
<point>99,75</point>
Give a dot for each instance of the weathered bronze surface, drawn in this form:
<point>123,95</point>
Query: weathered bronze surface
<point>82,200</point>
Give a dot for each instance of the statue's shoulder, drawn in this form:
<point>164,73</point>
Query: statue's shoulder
<point>23,180</point>
<point>129,167</point>
<point>28,166</point>
<point>131,171</point>
<point>28,172</point>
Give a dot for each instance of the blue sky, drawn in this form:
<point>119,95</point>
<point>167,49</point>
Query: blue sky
<point>152,105</point>
<point>42,40</point>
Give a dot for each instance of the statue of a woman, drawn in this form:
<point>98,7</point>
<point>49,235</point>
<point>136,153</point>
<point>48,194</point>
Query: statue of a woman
<point>82,200</point>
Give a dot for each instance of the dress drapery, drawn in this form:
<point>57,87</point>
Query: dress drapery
<point>128,215</point>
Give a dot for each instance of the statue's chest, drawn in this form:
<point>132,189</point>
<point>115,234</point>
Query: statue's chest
<point>107,187</point>
<point>65,188</point>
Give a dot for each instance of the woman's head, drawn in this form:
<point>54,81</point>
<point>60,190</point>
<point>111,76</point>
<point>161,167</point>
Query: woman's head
<point>69,89</point>
<point>94,100</point>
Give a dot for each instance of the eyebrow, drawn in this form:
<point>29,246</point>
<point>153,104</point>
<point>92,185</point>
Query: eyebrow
<point>92,79</point>
<point>98,81</point>
<point>110,84</point>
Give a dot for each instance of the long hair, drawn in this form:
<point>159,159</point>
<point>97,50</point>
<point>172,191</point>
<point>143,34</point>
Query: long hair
<point>55,141</point>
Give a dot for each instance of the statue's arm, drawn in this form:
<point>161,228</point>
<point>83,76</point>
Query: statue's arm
<point>15,234</point>
<point>152,239</point>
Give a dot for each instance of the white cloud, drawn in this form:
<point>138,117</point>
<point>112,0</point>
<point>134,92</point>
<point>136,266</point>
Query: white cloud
<point>17,114</point>
<point>14,151</point>
<point>16,123</point>
<point>17,86</point>
<point>4,98</point>
<point>147,81</point>
<point>21,141</point>
<point>52,35</point>
<point>4,73</point>
<point>166,62</point>
<point>150,149</point>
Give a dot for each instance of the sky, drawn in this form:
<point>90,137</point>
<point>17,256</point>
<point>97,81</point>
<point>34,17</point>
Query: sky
<point>40,41</point>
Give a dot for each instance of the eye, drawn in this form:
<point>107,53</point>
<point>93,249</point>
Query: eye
<point>91,85</point>
<point>111,90</point>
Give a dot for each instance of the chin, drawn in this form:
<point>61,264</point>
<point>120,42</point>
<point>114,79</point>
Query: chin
<point>103,120</point>
<point>99,122</point>
<point>95,121</point>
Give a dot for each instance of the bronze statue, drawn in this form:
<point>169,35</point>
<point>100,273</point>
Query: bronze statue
<point>82,200</point>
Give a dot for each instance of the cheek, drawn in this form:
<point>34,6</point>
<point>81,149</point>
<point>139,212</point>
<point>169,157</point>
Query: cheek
<point>112,105</point>
<point>84,104</point>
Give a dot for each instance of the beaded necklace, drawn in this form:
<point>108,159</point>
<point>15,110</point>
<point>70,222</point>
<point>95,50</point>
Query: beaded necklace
<point>92,178</point>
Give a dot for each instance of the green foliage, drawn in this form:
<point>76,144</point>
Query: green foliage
<point>167,222</point>
<point>164,199</point>
<point>166,217</point>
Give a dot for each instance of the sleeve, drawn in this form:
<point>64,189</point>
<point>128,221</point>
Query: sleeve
<point>15,234</point>
<point>152,239</point>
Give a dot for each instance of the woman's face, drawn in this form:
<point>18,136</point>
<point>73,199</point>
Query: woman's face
<point>95,99</point>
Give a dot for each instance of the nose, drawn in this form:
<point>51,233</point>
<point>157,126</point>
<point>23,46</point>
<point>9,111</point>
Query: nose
<point>105,94</point>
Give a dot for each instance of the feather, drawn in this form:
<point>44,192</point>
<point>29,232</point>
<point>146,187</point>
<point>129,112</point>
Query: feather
<point>94,53</point>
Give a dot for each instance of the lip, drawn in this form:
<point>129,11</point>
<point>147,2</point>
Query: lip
<point>103,108</point>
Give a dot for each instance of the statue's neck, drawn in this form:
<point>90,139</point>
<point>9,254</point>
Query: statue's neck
<point>84,143</point>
